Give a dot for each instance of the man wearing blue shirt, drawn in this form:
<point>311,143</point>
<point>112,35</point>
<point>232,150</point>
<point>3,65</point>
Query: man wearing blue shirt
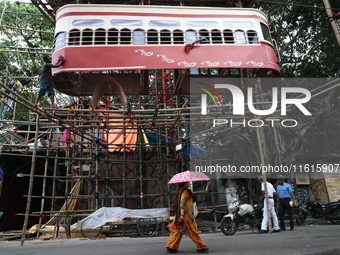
<point>285,193</point>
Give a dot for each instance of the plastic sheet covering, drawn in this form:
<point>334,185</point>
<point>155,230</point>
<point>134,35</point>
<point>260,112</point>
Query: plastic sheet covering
<point>246,208</point>
<point>113,214</point>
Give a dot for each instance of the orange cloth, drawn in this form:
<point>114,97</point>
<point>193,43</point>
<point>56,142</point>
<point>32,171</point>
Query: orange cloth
<point>117,138</point>
<point>188,225</point>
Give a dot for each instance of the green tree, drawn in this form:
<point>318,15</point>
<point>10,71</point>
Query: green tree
<point>25,36</point>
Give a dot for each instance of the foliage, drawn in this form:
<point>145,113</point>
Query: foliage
<point>21,31</point>
<point>305,37</point>
<point>309,48</point>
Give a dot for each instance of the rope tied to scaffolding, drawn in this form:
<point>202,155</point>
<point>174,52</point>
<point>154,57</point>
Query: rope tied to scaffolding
<point>335,16</point>
<point>43,218</point>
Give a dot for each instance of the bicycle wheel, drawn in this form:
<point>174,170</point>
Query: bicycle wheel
<point>147,227</point>
<point>90,233</point>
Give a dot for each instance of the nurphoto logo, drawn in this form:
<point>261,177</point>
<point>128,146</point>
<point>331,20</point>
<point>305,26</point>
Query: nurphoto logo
<point>238,99</point>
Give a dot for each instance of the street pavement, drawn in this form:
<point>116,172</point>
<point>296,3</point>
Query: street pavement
<point>305,240</point>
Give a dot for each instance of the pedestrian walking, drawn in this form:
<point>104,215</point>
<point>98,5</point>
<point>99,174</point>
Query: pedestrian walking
<point>271,196</point>
<point>285,193</point>
<point>184,221</point>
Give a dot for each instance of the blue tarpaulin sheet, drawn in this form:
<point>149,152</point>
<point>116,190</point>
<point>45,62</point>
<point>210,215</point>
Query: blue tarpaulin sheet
<point>1,173</point>
<point>188,151</point>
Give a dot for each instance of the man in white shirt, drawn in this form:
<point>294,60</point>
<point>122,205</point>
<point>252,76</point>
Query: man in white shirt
<point>271,193</point>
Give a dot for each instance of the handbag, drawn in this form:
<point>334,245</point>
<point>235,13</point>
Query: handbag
<point>195,209</point>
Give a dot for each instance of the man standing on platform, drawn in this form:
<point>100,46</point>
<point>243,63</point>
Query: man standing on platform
<point>285,192</point>
<point>46,79</point>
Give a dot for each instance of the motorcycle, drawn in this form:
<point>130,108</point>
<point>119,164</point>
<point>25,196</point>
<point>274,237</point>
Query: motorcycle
<point>330,211</point>
<point>240,214</point>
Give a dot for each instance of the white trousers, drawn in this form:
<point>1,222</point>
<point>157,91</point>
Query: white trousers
<point>264,225</point>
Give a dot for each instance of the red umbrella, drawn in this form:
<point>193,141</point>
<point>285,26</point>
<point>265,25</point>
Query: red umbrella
<point>188,176</point>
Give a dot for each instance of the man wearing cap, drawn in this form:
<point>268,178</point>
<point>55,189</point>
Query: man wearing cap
<point>271,194</point>
<point>285,193</point>
<point>46,79</point>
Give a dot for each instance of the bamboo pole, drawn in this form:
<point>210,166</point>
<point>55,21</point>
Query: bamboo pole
<point>97,148</point>
<point>55,166</point>
<point>141,170</point>
<point>160,167</point>
<point>21,51</point>
<point>107,168</point>
<point>20,77</point>
<point>167,166</point>
<point>124,169</point>
<point>1,184</point>
<point>334,23</point>
<point>30,190</point>
<point>43,194</point>
<point>26,29</point>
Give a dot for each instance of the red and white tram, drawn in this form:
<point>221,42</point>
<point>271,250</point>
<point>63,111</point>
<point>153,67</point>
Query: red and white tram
<point>101,39</point>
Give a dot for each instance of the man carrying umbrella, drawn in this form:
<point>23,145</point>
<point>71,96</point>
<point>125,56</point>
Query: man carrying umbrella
<point>184,213</point>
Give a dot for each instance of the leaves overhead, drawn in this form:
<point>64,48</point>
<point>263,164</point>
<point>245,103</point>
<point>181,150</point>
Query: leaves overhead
<point>306,40</point>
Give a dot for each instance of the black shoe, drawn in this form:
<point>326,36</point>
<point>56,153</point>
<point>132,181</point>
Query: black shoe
<point>276,231</point>
<point>171,250</point>
<point>204,250</point>
<point>263,231</point>
<point>283,229</point>
<point>292,229</point>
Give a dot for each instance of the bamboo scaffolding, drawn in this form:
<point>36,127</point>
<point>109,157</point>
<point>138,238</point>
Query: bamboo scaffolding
<point>22,51</point>
<point>26,29</point>
<point>30,189</point>
<point>24,48</point>
<point>19,77</point>
<point>21,100</point>
<point>44,185</point>
<point>164,122</point>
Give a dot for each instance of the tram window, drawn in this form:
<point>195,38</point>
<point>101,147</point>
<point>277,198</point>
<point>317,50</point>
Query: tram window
<point>164,23</point>
<point>228,36</point>
<point>194,71</point>
<point>204,33</point>
<point>88,22</point>
<point>202,24</point>
<point>100,36</point>
<point>123,22</point>
<point>165,36</point>
<point>74,37</point>
<point>87,36</point>
<point>190,36</point>
<point>178,37</point>
<point>243,24</point>
<point>252,37</point>
<point>266,33</point>
<point>112,36</point>
<point>152,36</point>
<point>216,36</point>
<point>204,71</point>
<point>214,71</point>
<point>240,37</point>
<point>60,40</point>
<point>125,36</point>
<point>138,36</point>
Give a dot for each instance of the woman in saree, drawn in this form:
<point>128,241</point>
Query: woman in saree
<point>184,221</point>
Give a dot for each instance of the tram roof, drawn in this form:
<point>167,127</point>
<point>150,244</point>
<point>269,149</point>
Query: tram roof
<point>180,11</point>
<point>50,7</point>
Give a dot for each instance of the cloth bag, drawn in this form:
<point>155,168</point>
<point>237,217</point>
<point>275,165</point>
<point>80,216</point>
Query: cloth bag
<point>195,209</point>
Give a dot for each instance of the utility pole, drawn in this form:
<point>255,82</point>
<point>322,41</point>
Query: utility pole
<point>266,200</point>
<point>334,22</point>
